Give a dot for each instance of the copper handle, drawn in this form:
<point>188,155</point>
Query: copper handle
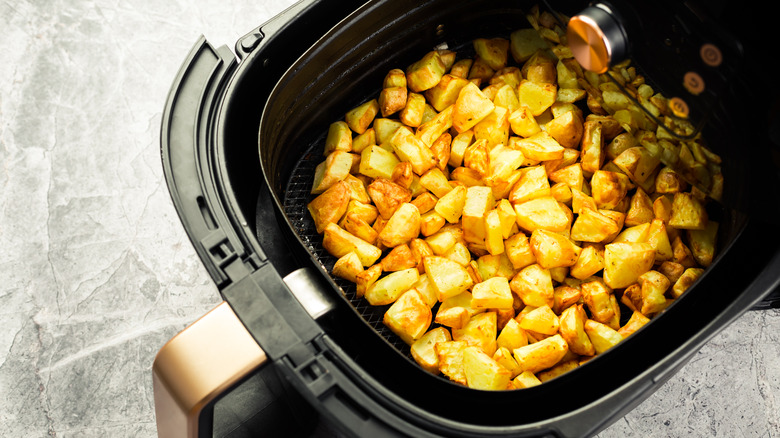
<point>197,365</point>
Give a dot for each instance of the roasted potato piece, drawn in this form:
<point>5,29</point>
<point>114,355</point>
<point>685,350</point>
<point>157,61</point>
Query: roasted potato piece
<point>479,200</point>
<point>425,73</point>
<point>572,329</point>
<point>533,284</point>
<point>450,355</point>
<point>470,108</point>
<point>543,213</point>
<point>493,51</point>
<point>482,372</point>
<point>391,100</point>
<point>552,249</point>
<point>540,320</point>
<point>335,168</point>
<point>402,227</point>
<point>625,262</point>
<point>567,129</point>
<point>602,336</point>
<point>480,331</point>
<point>448,277</point>
<point>540,147</point>
<point>688,212</point>
<point>330,205</point>
<point>493,293</point>
<point>537,96</point>
<point>339,243</point>
<point>348,267</point>
<point>423,350</point>
<point>408,317</point>
<point>387,289</point>
<point>541,355</point>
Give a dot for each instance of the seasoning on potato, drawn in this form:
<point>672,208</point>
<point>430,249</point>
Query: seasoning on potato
<point>511,211</point>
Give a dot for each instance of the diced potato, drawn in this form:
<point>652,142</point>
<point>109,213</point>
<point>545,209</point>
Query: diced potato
<point>543,213</point>
<point>625,262</point>
<point>524,43</point>
<point>367,277</point>
<point>532,183</point>
<point>688,213</point>
<point>335,168</point>
<point>526,379</point>
<point>430,130</point>
<point>567,129</point>
<point>518,250</point>
<point>493,293</point>
<point>563,367</point>
<point>637,162</point>
<point>477,157</point>
<point>637,321</point>
<point>503,357</point>
<point>493,51</point>
<point>436,181</point>
<point>480,71</point>
<point>688,277</point>
<point>589,262</point>
<point>348,267</point>
<point>330,205</point>
<point>597,295</point>
<point>541,355</point>
<point>445,92</point>
<point>540,147</point>
<point>552,249</point>
<point>570,175</point>
<point>523,123</point>
<point>490,266</point>
<point>398,259</point>
<point>533,285</point>
<point>540,320</point>
<point>480,331</point>
<point>565,296</point>
<point>402,227</point>
<point>512,336</point>
<point>702,243</point>
<point>423,350</point>
<point>430,223</point>
<point>339,243</point>
<point>572,329</point>
<point>450,354</point>
<point>479,200</point>
<point>448,277</point>
<point>412,113</point>
<point>377,162</point>
<point>425,73</point>
<point>364,140</point>
<point>360,118</point>
<point>388,196</point>
<point>391,100</point>
<point>339,138</point>
<point>356,225</point>
<point>658,237</point>
<point>453,317</point>
<point>450,206</point>
<point>424,287</point>
<point>387,289</point>
<point>459,253</point>
<point>537,96</point>
<point>540,68</point>
<point>482,372</point>
<point>602,336</point>
<point>654,286</point>
<point>410,149</point>
<point>494,128</point>
<point>494,238</point>
<point>408,317</point>
<point>640,210</point>
<point>635,234</point>
<point>470,108</point>
<point>608,188</point>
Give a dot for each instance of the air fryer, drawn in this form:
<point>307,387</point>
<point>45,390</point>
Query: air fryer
<point>240,141</point>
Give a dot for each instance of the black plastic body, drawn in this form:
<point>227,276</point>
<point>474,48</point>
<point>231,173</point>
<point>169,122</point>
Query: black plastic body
<point>283,94</point>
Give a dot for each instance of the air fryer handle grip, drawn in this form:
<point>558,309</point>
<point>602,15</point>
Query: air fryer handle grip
<point>191,371</point>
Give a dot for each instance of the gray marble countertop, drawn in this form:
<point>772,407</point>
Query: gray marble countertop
<point>97,272</point>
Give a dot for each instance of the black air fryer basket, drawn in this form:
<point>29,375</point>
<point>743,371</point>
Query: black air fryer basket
<point>241,139</point>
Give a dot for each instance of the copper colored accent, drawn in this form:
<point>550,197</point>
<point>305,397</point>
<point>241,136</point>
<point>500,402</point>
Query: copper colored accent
<point>711,55</point>
<point>679,107</point>
<point>197,365</point>
<point>693,82</point>
<point>589,44</point>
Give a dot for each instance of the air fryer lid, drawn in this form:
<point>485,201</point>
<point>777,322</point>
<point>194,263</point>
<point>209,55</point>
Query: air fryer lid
<point>341,71</point>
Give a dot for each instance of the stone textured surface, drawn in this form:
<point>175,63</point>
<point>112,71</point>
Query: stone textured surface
<point>97,272</point>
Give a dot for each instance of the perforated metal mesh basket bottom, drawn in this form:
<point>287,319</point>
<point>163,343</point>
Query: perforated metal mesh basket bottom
<point>296,197</point>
